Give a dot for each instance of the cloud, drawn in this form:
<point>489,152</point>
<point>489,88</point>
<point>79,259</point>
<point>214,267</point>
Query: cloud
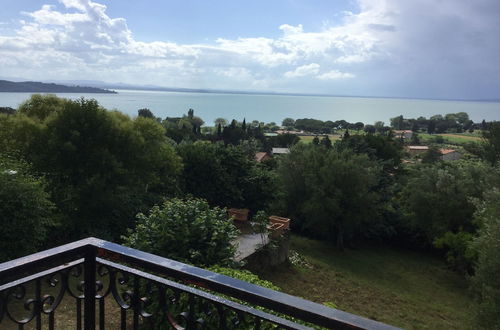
<point>334,74</point>
<point>304,70</point>
<point>403,48</point>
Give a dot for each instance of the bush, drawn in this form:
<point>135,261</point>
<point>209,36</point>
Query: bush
<point>188,231</point>
<point>25,211</point>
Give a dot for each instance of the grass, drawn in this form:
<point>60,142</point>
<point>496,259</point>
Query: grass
<point>308,139</point>
<point>453,138</point>
<point>401,288</point>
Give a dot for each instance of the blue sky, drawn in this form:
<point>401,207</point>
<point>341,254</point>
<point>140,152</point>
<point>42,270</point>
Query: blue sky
<point>411,48</point>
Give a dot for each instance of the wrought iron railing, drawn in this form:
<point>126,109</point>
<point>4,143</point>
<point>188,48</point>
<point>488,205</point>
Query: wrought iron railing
<point>149,292</point>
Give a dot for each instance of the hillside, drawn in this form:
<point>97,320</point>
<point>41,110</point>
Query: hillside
<point>402,288</point>
<point>38,87</point>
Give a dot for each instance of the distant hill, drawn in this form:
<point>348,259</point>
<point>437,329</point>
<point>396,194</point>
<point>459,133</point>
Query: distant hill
<point>39,87</point>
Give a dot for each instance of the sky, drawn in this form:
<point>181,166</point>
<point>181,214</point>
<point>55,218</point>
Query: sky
<point>394,48</point>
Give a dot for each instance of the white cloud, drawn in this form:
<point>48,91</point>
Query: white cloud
<point>334,74</point>
<point>304,70</point>
<point>389,45</point>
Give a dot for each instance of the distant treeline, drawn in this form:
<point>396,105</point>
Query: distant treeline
<point>38,87</point>
<point>451,123</point>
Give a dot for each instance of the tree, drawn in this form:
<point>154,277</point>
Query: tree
<point>41,106</point>
<point>439,198</point>
<point>315,141</point>
<point>26,213</point>
<point>432,155</point>
<point>431,126</point>
<point>378,147</point>
<point>370,129</point>
<point>284,140</point>
<point>486,282</point>
<point>326,142</point>
<point>101,167</point>
<point>491,143</point>
<point>225,176</point>
<point>289,123</point>
<point>146,113</point>
<point>188,231</point>
<point>325,189</point>
<point>379,126</point>
<point>358,126</point>
<point>220,121</point>
<point>7,110</point>
<point>397,122</point>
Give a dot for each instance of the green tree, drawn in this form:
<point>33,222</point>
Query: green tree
<point>225,176</point>
<point>324,189</point>
<point>26,213</point>
<point>220,121</point>
<point>437,203</point>
<point>41,106</point>
<point>326,142</point>
<point>101,167</point>
<point>432,155</point>
<point>486,282</point>
<point>289,123</point>
<point>491,143</point>
<point>145,113</point>
<point>188,231</point>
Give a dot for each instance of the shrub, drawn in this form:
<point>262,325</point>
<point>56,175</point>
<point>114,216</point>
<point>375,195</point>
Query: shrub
<point>185,230</point>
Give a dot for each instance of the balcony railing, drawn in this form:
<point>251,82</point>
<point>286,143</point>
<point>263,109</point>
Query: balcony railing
<point>148,292</point>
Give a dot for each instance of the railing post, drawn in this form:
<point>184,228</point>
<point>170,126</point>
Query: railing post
<point>89,288</point>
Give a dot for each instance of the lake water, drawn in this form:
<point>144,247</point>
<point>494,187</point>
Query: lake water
<point>275,108</point>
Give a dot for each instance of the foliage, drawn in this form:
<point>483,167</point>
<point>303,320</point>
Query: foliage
<point>244,275</point>
<point>376,146</point>
<point>26,213</point>
<point>288,123</point>
<point>432,155</point>
<point>188,231</point>
<point>438,205</point>
<point>492,142</point>
<point>101,167</point>
<point>41,106</point>
<point>225,176</point>
<point>486,280</point>
<point>284,140</point>
<point>146,113</point>
<point>7,110</point>
<point>458,254</point>
<point>324,189</point>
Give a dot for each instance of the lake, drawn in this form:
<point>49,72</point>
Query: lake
<point>275,108</point>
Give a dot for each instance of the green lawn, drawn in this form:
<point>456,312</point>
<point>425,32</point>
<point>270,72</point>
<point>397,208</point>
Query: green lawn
<point>308,139</point>
<point>402,288</point>
<point>453,138</point>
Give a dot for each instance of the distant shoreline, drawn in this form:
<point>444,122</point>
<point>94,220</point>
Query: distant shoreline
<point>39,87</point>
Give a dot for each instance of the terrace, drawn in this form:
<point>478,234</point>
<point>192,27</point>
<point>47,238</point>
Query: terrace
<point>148,292</point>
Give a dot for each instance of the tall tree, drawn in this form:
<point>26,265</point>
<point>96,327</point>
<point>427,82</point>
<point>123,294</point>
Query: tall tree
<point>491,138</point>
<point>329,193</point>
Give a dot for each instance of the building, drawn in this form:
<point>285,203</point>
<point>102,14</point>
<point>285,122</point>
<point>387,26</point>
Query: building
<point>280,151</point>
<point>405,134</point>
<point>262,156</point>
<point>417,150</point>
